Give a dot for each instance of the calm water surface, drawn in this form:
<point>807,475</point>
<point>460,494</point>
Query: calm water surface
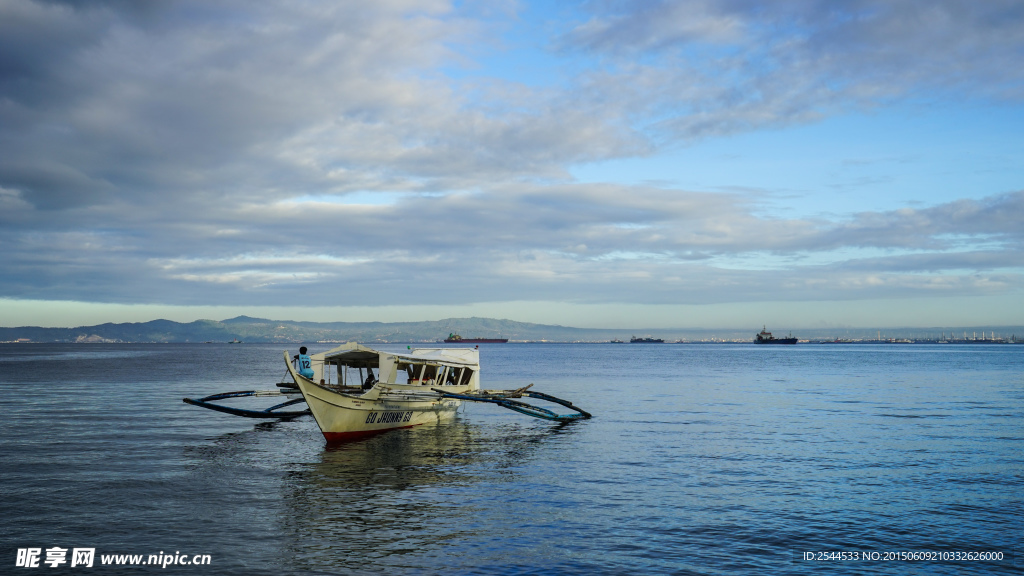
<point>701,459</point>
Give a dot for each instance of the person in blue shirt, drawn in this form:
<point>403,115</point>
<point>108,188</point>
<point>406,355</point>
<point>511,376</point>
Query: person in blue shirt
<point>305,364</point>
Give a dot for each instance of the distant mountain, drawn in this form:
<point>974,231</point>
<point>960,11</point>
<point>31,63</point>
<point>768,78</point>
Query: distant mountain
<point>153,331</point>
<point>248,329</point>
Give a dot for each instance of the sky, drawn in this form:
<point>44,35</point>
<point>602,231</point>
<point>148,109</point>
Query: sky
<point>710,163</point>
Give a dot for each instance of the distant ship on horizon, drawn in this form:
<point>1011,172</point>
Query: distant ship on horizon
<point>766,337</point>
<point>454,338</point>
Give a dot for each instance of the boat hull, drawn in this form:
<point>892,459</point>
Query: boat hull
<point>344,417</point>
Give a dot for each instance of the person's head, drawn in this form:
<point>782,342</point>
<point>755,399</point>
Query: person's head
<point>302,350</point>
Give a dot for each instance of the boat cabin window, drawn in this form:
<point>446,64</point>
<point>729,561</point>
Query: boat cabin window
<point>418,374</point>
<point>452,376</point>
<point>459,376</point>
<point>349,375</point>
<point>432,375</point>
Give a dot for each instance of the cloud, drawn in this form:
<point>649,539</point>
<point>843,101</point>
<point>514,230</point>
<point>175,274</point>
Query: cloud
<point>107,101</point>
<point>263,101</point>
<point>195,153</point>
<point>578,243</point>
<point>706,68</point>
<point>995,219</point>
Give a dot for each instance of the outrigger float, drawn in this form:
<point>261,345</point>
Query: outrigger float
<point>350,400</point>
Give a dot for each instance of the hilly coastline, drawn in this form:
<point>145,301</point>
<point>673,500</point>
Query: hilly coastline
<point>247,329</point>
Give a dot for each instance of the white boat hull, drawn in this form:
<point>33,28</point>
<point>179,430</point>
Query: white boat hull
<point>343,417</point>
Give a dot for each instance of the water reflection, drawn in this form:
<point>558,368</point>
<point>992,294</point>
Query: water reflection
<point>403,498</point>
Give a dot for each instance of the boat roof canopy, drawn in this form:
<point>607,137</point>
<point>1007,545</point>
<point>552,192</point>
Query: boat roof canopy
<point>357,355</point>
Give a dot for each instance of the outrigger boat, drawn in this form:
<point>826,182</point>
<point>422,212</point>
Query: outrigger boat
<point>356,391</point>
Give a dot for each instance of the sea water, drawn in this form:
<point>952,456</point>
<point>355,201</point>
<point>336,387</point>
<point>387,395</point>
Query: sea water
<point>700,459</point>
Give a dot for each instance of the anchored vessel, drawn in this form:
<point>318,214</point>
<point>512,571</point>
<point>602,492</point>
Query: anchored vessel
<point>356,391</point>
<point>766,337</point>
<point>646,340</point>
<point>454,338</point>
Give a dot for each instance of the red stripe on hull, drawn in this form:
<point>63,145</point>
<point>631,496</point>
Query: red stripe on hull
<point>336,437</point>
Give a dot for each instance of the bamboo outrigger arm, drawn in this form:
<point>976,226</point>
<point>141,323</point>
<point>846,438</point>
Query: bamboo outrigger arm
<point>503,398</point>
<point>272,412</point>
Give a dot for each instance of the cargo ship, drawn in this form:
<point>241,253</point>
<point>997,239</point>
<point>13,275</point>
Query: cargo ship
<point>648,340</point>
<point>766,337</point>
<point>454,338</point>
